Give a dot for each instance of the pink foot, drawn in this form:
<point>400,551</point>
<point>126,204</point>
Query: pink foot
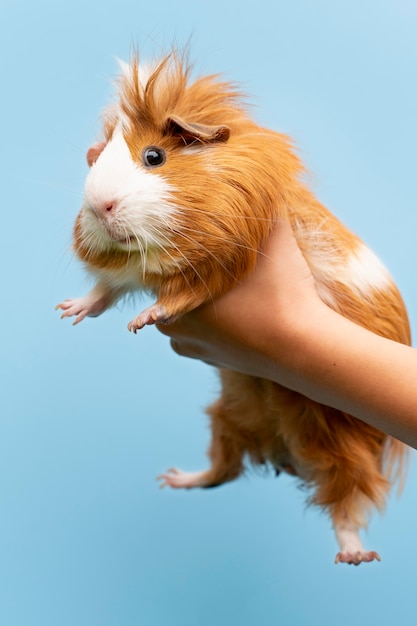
<point>356,558</point>
<point>177,479</point>
<point>351,548</point>
<point>152,315</point>
<point>82,307</point>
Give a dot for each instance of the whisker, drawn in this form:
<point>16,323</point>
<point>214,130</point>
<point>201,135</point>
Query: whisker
<point>194,242</point>
<point>161,234</point>
<point>224,214</point>
<point>210,253</point>
<point>89,244</point>
<point>142,252</point>
<point>218,237</point>
<point>129,247</point>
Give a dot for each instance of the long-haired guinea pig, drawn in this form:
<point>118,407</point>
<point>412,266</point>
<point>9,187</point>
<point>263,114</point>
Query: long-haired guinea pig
<point>181,194</point>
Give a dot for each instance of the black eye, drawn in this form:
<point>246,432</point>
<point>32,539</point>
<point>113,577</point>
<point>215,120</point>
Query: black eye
<point>153,156</point>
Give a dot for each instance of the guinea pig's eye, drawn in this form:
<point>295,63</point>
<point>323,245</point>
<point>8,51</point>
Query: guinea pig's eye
<point>152,156</point>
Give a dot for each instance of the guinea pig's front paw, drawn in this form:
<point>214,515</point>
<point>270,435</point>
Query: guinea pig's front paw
<point>81,307</point>
<point>152,315</point>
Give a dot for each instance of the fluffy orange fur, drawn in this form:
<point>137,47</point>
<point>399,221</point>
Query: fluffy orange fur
<point>230,181</point>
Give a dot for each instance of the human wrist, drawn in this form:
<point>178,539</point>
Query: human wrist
<point>293,349</point>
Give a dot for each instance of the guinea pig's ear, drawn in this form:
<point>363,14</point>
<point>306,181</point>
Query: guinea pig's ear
<point>94,152</point>
<point>191,132</point>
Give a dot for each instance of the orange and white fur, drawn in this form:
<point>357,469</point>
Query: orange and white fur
<point>182,192</point>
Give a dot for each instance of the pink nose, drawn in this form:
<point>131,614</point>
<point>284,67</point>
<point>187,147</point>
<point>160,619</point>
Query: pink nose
<point>104,209</point>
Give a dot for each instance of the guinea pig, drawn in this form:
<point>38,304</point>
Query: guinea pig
<point>181,194</point>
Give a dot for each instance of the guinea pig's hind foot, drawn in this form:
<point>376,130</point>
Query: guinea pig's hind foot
<point>356,558</point>
<point>351,548</point>
<point>155,314</point>
<point>177,479</point>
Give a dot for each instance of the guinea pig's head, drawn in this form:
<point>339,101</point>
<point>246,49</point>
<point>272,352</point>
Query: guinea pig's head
<point>173,184</point>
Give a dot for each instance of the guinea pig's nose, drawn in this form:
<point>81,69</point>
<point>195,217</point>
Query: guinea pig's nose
<point>109,208</point>
<point>106,208</point>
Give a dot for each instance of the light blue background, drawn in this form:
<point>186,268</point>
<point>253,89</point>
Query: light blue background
<point>90,415</point>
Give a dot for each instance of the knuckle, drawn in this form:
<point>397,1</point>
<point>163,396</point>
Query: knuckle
<point>178,347</point>
<point>183,348</point>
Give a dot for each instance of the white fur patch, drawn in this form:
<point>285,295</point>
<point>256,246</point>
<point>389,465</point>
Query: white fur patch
<point>367,271</point>
<point>361,270</point>
<point>143,210</point>
<point>348,538</point>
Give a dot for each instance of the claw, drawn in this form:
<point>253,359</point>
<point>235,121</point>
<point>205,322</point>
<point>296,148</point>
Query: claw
<point>92,305</point>
<point>177,479</point>
<point>356,558</point>
<point>152,315</point>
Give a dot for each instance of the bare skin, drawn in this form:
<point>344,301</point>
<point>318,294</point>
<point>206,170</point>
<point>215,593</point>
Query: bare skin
<point>294,339</point>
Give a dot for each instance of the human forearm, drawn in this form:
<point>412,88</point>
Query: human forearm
<point>338,363</point>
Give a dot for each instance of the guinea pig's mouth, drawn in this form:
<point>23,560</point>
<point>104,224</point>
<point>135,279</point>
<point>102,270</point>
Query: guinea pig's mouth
<point>116,236</point>
<point>130,242</point>
<point>127,239</point>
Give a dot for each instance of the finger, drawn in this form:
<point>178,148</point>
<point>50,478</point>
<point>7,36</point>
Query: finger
<point>192,351</point>
<point>169,329</point>
<point>183,348</point>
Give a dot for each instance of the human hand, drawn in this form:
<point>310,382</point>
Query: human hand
<point>273,325</point>
<point>251,328</point>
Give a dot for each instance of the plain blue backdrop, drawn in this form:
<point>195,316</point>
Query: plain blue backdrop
<point>90,415</point>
